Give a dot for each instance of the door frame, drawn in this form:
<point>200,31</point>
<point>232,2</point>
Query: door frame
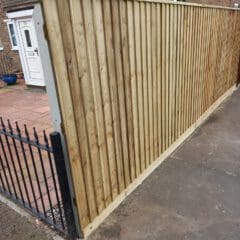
<point>16,17</point>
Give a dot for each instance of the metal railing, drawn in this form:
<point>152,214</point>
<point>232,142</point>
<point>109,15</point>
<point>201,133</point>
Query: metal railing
<point>32,173</point>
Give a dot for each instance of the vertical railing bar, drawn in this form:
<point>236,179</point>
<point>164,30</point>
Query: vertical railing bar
<point>8,166</point>
<point>54,179</point>
<point>5,175</point>
<point>44,175</point>
<point>35,171</point>
<point>63,184</point>
<point>27,167</point>
<point>19,164</point>
<point>3,184</point>
<point>12,161</point>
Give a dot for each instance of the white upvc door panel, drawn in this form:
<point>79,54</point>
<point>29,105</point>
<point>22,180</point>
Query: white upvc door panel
<point>30,52</point>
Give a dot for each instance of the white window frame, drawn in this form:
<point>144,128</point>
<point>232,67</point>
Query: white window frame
<point>1,48</point>
<point>14,28</point>
<point>18,14</point>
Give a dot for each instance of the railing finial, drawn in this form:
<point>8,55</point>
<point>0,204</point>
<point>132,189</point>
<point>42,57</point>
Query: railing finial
<point>2,124</point>
<point>26,132</point>
<point>35,135</point>
<point>10,126</point>
<point>45,138</point>
<point>18,129</point>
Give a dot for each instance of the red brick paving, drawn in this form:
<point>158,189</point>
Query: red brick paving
<point>27,106</point>
<point>30,107</point>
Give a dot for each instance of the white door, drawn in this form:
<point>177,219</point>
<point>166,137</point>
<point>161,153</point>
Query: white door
<point>31,57</point>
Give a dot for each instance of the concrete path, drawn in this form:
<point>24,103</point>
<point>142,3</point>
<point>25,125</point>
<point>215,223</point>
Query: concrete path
<point>193,195</point>
<point>13,226</point>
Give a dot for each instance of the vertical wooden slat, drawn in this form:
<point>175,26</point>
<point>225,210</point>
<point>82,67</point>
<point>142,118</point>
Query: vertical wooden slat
<point>167,79</point>
<point>215,49</point>
<point>205,66</point>
<point>194,60</point>
<point>132,63</point>
<point>180,69</point>
<point>211,58</point>
<point>174,74</point>
<point>201,70</point>
<point>138,60</point>
<point>189,68</point>
<point>186,67</point>
<point>204,60</point>
<point>197,65</point>
<point>163,82</point>
<point>149,78</point>
<point>206,53</point>
<point>232,22</point>
<point>170,72</point>
<point>159,78</point>
<point>183,69</point>
<point>124,65</point>
<point>145,81</point>
<point>154,78</point>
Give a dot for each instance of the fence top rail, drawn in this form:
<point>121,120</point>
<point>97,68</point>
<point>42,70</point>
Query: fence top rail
<point>188,4</point>
<point>27,141</point>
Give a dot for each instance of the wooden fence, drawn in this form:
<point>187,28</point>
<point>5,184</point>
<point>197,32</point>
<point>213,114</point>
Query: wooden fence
<point>133,76</point>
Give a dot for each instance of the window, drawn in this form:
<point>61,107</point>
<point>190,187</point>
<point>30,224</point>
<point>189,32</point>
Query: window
<point>12,34</point>
<point>28,39</point>
<point>1,45</point>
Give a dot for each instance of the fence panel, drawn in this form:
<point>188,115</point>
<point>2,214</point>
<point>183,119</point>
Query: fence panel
<point>133,76</point>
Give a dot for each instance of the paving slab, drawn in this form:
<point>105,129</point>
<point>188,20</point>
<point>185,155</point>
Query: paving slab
<point>194,194</point>
<point>13,226</point>
<point>26,106</point>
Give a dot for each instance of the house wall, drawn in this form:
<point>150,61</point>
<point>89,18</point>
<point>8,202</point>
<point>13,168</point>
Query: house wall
<point>4,36</point>
<point>16,3</point>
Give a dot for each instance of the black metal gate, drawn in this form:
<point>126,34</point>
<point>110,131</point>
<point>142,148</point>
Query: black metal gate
<point>33,174</point>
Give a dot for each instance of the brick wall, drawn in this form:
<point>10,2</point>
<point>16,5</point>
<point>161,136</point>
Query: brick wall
<point>17,3</point>
<point>227,3</point>
<point>4,36</point>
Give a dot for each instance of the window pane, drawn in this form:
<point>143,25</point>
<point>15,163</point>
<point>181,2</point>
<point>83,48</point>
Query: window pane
<point>28,39</point>
<point>1,45</point>
<point>13,35</point>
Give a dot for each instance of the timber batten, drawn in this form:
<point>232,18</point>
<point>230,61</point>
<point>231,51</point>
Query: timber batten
<point>134,78</point>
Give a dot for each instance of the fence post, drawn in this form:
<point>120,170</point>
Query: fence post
<point>63,184</point>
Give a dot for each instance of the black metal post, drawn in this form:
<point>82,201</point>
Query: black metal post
<point>63,184</point>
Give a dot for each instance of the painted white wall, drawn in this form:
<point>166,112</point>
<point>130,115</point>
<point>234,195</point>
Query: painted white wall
<point>47,67</point>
